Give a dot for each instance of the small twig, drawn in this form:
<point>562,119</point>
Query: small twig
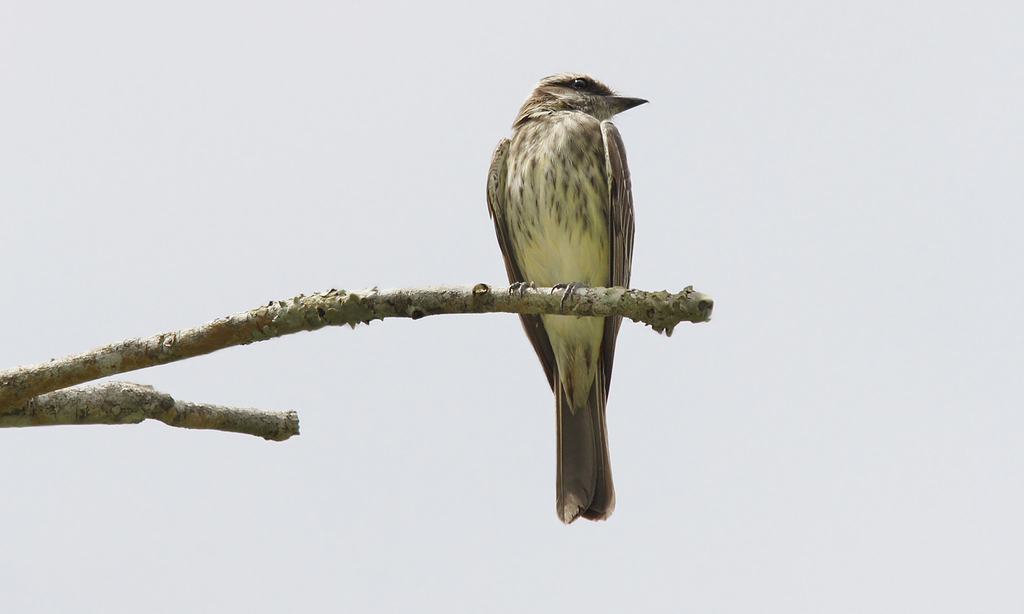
<point>124,403</point>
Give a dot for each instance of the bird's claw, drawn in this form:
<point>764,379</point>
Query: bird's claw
<point>520,287</point>
<point>570,288</point>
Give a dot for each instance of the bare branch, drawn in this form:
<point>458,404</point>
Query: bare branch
<point>660,310</point>
<point>124,403</point>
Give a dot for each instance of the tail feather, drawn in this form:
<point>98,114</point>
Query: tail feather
<point>584,478</point>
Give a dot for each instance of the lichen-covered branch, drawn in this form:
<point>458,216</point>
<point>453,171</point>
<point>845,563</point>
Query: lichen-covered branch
<point>660,310</point>
<point>124,403</point>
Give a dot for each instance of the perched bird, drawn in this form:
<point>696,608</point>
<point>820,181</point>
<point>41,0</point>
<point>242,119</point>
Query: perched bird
<point>560,198</point>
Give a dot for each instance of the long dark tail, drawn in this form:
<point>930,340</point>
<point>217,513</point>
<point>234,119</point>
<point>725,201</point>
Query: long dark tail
<point>584,480</point>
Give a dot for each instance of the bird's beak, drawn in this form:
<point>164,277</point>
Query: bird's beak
<point>619,104</point>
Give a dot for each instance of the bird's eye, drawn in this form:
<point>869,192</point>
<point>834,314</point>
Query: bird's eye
<point>580,84</point>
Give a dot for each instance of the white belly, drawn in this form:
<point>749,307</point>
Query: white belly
<point>558,221</point>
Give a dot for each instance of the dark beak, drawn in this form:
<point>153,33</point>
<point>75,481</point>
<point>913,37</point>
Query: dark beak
<point>621,103</point>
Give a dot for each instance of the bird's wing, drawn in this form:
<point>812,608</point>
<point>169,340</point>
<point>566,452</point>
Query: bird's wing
<point>496,205</point>
<point>620,228</point>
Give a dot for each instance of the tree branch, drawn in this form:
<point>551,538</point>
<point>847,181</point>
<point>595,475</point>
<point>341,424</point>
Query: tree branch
<point>660,310</point>
<point>124,403</point>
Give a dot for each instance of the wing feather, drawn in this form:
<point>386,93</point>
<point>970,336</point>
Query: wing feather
<point>498,208</point>
<point>620,227</point>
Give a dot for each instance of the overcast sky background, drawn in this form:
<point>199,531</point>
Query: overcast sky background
<point>847,182</point>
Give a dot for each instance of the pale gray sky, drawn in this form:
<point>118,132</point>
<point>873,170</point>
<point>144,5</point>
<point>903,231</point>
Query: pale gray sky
<point>847,434</point>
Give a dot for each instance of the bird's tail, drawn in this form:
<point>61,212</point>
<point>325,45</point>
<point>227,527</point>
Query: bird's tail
<point>584,481</point>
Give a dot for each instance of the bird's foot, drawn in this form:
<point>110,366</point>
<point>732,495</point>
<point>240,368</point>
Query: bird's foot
<point>569,288</point>
<point>520,287</point>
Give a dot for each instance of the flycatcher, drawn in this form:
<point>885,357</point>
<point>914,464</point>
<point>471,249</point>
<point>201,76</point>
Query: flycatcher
<point>560,198</point>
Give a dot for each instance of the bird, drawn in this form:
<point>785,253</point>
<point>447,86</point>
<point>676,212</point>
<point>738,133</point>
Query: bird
<point>560,197</point>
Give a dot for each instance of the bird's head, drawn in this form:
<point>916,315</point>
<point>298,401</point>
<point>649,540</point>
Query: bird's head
<point>570,91</point>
